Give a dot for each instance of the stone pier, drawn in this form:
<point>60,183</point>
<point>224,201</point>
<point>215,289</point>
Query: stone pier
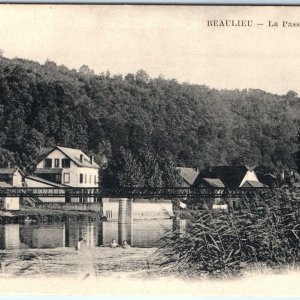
<point>125,221</point>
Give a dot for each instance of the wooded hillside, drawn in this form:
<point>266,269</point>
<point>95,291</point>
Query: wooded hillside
<point>138,122</point>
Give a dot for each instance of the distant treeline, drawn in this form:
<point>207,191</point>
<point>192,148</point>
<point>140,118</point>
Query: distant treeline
<point>144,126</point>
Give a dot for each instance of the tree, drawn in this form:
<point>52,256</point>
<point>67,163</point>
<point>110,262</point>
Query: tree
<point>142,76</point>
<point>84,69</point>
<point>123,171</point>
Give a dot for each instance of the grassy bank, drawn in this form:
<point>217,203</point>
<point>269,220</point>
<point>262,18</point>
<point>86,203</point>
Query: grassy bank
<point>47,215</point>
<point>264,232</point>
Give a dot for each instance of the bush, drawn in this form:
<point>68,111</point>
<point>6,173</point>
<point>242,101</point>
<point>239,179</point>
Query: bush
<point>265,230</point>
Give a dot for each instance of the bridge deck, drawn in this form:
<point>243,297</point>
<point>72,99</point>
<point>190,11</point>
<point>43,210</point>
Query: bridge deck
<point>138,192</point>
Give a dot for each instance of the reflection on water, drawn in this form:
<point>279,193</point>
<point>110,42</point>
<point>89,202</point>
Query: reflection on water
<point>141,233</point>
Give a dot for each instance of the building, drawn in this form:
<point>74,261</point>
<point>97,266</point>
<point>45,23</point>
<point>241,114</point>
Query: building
<point>12,176</point>
<point>187,176</point>
<point>68,167</point>
<point>38,182</point>
<point>141,209</point>
<point>231,177</point>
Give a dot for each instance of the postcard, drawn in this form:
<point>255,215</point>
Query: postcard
<point>149,150</point>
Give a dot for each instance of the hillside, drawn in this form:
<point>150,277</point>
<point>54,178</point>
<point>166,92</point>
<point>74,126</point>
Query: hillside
<point>139,123</point>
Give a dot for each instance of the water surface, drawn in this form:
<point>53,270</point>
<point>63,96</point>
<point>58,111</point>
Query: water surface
<point>140,233</point>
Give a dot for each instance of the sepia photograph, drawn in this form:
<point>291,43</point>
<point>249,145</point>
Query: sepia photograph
<point>149,150</point>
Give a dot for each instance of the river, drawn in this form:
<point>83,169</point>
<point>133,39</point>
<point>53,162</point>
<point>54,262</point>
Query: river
<point>139,233</point>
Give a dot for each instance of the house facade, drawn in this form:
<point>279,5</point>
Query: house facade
<point>69,167</point>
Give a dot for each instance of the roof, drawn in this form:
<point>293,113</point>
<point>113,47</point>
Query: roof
<point>74,155</point>
<point>188,174</point>
<point>252,183</point>
<point>231,176</point>
<point>51,183</point>
<point>9,171</point>
<point>43,153</point>
<point>48,171</point>
<point>214,182</point>
<point>5,184</point>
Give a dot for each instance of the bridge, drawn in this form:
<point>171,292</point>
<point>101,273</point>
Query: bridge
<point>132,192</point>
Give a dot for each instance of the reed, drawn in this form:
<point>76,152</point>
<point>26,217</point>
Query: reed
<point>263,232</point>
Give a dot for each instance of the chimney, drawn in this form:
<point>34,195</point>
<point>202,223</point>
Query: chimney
<point>81,158</point>
<point>91,159</point>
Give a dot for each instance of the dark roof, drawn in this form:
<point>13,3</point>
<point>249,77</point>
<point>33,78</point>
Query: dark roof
<point>252,183</point>
<point>231,176</point>
<point>51,183</point>
<point>48,171</point>
<point>214,182</point>
<point>188,174</point>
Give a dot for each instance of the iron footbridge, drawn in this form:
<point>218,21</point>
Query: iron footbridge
<point>132,192</point>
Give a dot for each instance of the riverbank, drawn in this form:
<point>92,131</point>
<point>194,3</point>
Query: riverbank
<point>47,215</point>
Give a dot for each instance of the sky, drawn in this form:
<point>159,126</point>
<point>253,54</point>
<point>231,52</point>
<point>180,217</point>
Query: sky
<point>173,41</point>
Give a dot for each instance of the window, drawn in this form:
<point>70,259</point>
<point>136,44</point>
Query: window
<point>56,163</point>
<point>234,204</point>
<point>57,178</point>
<point>95,179</point>
<point>65,163</point>
<point>80,178</point>
<point>48,163</point>
<point>90,181</point>
<point>66,177</point>
<point>85,178</point>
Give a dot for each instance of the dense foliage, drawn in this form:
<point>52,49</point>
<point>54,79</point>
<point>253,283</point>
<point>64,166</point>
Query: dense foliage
<point>138,118</point>
<point>264,232</point>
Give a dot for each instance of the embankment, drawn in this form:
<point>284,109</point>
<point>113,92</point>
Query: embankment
<point>47,215</point>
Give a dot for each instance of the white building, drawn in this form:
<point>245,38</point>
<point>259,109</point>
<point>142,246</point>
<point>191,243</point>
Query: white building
<point>10,177</point>
<point>70,167</point>
<point>38,182</point>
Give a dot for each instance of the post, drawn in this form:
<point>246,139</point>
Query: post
<point>125,221</point>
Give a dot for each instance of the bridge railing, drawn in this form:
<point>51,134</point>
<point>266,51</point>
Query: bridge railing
<point>130,192</point>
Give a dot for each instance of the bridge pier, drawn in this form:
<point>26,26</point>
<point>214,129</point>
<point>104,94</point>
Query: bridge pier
<point>125,221</point>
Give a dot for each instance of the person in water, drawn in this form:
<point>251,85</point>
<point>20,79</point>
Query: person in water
<point>125,245</point>
<point>113,244</point>
<point>78,245</point>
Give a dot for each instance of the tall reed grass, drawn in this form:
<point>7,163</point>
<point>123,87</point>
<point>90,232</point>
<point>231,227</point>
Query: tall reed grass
<point>265,230</point>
